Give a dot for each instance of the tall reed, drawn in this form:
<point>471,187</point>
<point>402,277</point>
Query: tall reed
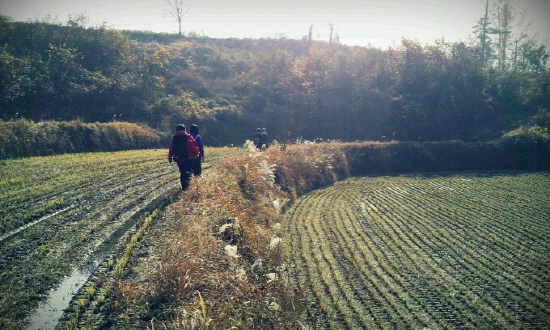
<point>226,242</point>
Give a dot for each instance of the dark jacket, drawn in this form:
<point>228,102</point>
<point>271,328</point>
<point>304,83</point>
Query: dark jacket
<point>171,149</point>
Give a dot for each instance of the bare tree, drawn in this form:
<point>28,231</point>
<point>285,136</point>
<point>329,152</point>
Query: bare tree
<point>178,9</point>
<point>482,30</point>
<point>513,46</point>
<point>331,30</point>
<point>504,16</point>
<point>522,37</point>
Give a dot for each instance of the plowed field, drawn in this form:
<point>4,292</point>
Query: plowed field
<point>57,211</point>
<point>462,251</point>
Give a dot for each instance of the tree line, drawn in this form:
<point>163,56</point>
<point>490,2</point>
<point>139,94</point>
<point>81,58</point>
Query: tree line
<point>504,39</point>
<point>471,91</point>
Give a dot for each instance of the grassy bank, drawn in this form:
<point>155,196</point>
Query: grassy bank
<point>24,138</point>
<point>526,149</point>
<point>222,266</point>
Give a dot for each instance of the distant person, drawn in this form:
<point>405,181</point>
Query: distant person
<point>178,153</point>
<point>265,145</point>
<point>258,138</point>
<point>197,163</point>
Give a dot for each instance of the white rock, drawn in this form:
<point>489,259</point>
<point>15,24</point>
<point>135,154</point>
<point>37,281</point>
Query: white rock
<point>275,241</point>
<point>224,227</point>
<point>231,251</point>
<point>274,306</point>
<point>258,264</point>
<point>241,274</point>
<point>272,276</point>
<point>236,225</point>
<point>277,206</point>
<point>304,327</point>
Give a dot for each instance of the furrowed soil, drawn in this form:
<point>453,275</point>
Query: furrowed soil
<point>457,251</point>
<point>60,211</point>
<point>465,250</point>
<point>448,251</point>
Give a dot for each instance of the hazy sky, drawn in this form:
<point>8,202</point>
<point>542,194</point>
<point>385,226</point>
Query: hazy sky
<point>356,22</point>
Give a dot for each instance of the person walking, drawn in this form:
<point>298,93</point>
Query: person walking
<point>178,153</point>
<point>197,163</point>
<point>258,138</point>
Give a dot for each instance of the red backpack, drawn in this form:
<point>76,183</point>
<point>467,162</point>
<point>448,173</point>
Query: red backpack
<point>185,147</point>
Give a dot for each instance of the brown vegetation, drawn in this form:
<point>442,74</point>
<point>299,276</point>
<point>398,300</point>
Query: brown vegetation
<point>520,149</point>
<point>223,266</point>
<point>24,138</point>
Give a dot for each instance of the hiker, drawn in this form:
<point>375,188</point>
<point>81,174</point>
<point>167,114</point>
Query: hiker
<point>264,139</point>
<point>258,138</point>
<point>197,163</point>
<point>178,153</point>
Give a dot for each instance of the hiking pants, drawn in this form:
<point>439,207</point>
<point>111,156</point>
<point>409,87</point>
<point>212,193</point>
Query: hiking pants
<point>197,166</point>
<point>186,168</point>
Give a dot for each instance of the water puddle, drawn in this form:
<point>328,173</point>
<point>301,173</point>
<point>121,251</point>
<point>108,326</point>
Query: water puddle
<point>49,312</point>
<point>47,315</point>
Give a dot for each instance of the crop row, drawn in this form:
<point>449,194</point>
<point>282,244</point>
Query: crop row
<point>32,188</point>
<point>100,196</point>
<point>446,252</point>
<point>36,186</point>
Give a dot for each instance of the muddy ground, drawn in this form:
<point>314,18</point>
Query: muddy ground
<point>36,258</point>
<point>102,311</point>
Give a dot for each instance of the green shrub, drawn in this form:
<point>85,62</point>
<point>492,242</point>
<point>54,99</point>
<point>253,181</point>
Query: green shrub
<point>527,147</point>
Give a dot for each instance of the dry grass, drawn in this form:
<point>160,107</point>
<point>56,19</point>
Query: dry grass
<point>223,266</point>
<point>24,138</point>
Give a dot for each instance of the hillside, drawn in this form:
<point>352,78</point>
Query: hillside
<point>294,88</point>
